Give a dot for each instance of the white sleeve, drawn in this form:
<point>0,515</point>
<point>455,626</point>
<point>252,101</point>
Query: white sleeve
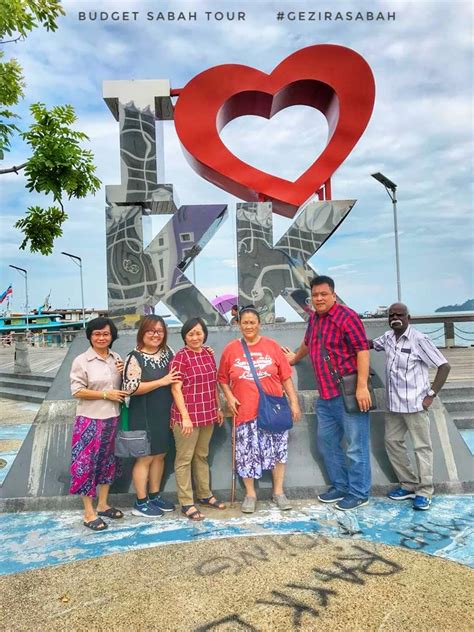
<point>429,353</point>
<point>379,343</point>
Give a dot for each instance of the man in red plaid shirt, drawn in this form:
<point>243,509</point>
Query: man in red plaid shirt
<point>342,333</point>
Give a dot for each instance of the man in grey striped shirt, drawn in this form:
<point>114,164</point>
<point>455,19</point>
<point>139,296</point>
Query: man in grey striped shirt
<point>409,354</point>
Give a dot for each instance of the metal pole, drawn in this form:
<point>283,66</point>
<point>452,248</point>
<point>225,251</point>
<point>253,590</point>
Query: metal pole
<point>391,189</point>
<point>82,296</point>
<point>397,252</point>
<point>232,488</point>
<point>25,274</point>
<point>78,261</point>
<point>27,305</point>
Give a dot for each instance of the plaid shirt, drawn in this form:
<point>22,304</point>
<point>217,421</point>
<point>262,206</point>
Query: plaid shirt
<point>199,382</point>
<point>343,336</point>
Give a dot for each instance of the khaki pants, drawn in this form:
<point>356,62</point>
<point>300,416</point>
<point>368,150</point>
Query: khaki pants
<point>418,425</point>
<point>191,455</point>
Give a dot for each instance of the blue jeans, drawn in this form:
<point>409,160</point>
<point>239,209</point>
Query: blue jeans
<point>350,472</point>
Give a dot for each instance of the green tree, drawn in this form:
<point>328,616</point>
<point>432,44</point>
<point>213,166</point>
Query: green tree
<point>58,165</point>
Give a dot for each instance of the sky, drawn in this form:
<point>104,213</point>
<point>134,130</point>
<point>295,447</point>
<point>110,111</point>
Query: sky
<point>419,136</point>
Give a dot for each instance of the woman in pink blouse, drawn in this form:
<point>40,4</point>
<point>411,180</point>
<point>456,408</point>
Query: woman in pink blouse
<point>193,414</point>
<point>96,377</point>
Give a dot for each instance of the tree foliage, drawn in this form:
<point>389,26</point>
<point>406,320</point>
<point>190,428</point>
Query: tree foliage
<point>58,165</point>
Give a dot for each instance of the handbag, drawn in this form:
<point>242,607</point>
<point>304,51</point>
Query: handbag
<point>347,384</point>
<point>274,413</point>
<point>130,443</point>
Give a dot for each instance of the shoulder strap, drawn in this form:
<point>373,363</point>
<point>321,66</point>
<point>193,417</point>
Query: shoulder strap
<point>251,365</point>
<point>324,352</point>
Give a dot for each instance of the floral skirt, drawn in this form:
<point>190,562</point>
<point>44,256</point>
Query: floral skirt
<point>257,450</point>
<point>93,461</point>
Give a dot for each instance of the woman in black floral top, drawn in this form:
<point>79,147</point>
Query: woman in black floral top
<point>148,379</point>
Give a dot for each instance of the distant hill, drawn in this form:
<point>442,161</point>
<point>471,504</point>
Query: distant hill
<point>468,306</point>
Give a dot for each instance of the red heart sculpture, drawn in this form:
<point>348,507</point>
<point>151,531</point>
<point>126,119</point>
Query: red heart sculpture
<point>333,79</point>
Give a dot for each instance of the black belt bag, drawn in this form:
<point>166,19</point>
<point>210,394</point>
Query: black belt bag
<point>347,388</point>
<point>347,384</point>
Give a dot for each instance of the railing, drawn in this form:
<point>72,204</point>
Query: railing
<point>449,332</point>
<point>41,339</point>
<point>452,328</point>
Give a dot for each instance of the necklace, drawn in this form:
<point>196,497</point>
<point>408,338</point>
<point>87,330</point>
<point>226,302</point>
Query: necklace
<point>148,352</point>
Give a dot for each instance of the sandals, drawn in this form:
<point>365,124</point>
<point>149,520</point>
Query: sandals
<point>195,516</point>
<point>217,504</point>
<point>96,525</point>
<point>111,512</point>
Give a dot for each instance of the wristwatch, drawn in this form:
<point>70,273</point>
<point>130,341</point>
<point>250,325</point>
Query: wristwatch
<point>431,393</point>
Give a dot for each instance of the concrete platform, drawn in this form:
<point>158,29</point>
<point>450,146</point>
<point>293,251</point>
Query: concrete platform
<point>308,569</point>
<point>41,469</point>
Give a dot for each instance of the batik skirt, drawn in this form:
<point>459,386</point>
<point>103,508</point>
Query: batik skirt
<point>257,450</point>
<point>93,461</point>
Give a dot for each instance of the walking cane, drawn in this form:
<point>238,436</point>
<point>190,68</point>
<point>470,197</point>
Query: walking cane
<point>232,491</point>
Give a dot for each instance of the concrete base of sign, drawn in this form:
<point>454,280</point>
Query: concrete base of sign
<point>41,469</point>
<point>22,360</point>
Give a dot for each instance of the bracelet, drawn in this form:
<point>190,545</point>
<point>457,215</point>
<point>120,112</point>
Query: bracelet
<point>104,395</point>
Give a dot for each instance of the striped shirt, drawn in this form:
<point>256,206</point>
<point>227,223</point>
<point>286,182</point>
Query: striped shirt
<point>406,368</point>
<point>199,386</point>
<point>343,335</point>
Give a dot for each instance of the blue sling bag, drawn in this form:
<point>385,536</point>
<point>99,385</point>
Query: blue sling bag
<point>274,414</point>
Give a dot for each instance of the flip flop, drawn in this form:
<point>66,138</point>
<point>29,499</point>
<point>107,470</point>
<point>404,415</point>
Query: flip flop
<point>195,516</point>
<point>217,504</point>
<point>96,525</point>
<point>111,512</point>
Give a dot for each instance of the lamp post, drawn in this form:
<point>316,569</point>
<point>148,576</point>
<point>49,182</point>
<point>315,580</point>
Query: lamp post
<point>78,261</point>
<point>391,189</point>
<point>27,310</point>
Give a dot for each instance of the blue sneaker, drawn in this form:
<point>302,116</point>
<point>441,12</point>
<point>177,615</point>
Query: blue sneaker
<point>400,494</point>
<point>351,502</point>
<point>422,503</point>
<point>161,503</point>
<point>146,510</point>
<point>331,496</point>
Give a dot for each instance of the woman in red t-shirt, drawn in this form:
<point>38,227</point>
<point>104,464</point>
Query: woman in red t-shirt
<point>257,450</point>
<point>193,414</point>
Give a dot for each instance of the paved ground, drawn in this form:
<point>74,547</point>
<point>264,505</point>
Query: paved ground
<point>45,360</point>
<point>308,569</point>
<point>278,583</point>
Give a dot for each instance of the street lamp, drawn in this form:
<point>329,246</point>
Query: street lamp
<point>391,189</point>
<point>25,274</point>
<point>78,261</point>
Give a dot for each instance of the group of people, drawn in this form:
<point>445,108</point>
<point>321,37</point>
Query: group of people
<point>179,394</point>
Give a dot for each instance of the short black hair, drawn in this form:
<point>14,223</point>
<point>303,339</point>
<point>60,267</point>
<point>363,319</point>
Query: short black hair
<point>190,324</point>
<point>96,324</point>
<point>320,280</point>
<point>235,307</point>
<point>249,308</point>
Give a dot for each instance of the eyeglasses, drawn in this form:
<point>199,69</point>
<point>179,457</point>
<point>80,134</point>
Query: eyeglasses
<point>97,334</point>
<point>155,332</point>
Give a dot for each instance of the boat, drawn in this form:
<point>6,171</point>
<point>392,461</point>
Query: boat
<point>37,323</point>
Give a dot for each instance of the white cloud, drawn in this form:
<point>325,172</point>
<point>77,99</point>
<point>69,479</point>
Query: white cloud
<point>419,136</point>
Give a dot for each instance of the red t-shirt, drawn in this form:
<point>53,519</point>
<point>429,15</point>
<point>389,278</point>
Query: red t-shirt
<point>272,369</point>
